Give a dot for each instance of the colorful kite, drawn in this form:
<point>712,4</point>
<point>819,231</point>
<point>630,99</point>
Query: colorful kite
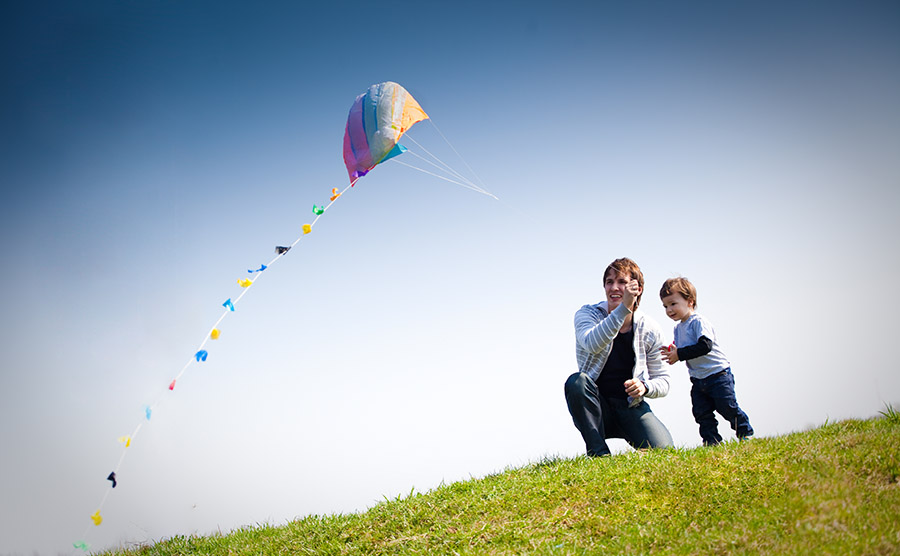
<point>377,120</point>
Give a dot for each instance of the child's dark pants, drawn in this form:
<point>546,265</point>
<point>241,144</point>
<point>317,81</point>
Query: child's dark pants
<point>716,393</point>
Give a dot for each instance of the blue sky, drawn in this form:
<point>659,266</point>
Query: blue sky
<point>155,151</point>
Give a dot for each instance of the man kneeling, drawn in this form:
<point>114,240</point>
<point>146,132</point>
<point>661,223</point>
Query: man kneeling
<point>619,364</point>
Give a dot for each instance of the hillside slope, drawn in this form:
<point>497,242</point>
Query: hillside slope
<point>831,490</point>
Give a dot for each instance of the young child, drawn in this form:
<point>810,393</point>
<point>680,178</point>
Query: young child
<point>695,344</point>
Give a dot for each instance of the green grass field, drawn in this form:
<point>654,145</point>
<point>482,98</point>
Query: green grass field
<point>831,490</point>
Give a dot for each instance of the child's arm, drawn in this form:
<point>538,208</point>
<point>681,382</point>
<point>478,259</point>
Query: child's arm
<point>703,346</point>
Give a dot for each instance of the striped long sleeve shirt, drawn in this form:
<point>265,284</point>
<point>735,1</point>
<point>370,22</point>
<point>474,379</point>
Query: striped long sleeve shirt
<point>595,330</point>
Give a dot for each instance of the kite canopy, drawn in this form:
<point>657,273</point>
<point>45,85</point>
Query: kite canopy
<point>377,120</point>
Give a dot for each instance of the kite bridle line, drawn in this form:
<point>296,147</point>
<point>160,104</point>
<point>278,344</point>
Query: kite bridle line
<point>443,166</point>
<point>449,144</point>
<point>149,409</point>
<point>424,171</point>
<point>439,164</point>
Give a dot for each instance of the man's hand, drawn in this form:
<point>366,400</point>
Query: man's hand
<point>629,296</point>
<point>635,388</point>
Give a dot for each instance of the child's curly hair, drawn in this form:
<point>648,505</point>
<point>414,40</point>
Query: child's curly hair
<point>681,286</point>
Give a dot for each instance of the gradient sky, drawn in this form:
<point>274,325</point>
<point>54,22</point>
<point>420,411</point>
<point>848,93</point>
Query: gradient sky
<point>152,152</point>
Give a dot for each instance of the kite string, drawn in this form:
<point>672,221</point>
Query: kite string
<point>128,439</point>
<point>271,263</point>
<point>207,337</point>
<point>463,181</point>
<point>230,305</point>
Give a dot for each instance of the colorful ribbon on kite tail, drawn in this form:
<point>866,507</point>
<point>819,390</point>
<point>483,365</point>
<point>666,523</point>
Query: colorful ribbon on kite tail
<point>199,356</point>
<point>377,120</point>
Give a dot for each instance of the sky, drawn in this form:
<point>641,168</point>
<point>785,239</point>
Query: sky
<point>153,152</point>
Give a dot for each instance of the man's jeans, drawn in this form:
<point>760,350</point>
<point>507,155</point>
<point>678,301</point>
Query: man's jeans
<point>716,393</point>
<point>599,418</point>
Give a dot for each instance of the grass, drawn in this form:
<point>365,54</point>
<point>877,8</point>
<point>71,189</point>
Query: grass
<point>831,490</point>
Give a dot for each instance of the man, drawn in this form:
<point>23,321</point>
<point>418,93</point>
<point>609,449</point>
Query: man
<point>619,364</point>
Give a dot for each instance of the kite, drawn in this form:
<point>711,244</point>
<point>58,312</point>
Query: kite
<point>377,119</point>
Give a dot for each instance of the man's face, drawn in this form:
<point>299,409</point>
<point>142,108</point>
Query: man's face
<point>614,284</point>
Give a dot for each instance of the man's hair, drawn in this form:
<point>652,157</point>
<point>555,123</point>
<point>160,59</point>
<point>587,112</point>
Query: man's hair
<point>681,286</point>
<point>629,268</point>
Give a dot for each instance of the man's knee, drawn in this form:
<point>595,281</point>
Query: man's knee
<point>575,384</point>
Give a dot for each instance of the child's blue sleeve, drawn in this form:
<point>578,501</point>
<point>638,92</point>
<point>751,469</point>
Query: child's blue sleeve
<point>702,327</point>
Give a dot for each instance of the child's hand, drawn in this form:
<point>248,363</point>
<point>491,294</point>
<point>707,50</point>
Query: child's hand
<point>670,354</point>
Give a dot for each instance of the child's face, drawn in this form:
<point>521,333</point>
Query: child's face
<point>677,307</point>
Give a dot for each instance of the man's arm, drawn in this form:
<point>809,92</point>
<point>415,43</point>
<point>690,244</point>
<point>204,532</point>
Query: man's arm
<point>594,335</point>
<point>658,374</point>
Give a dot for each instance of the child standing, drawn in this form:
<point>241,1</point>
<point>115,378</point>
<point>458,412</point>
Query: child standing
<point>695,344</point>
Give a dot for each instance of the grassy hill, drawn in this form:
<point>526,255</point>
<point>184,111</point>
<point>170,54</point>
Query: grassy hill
<point>832,490</point>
